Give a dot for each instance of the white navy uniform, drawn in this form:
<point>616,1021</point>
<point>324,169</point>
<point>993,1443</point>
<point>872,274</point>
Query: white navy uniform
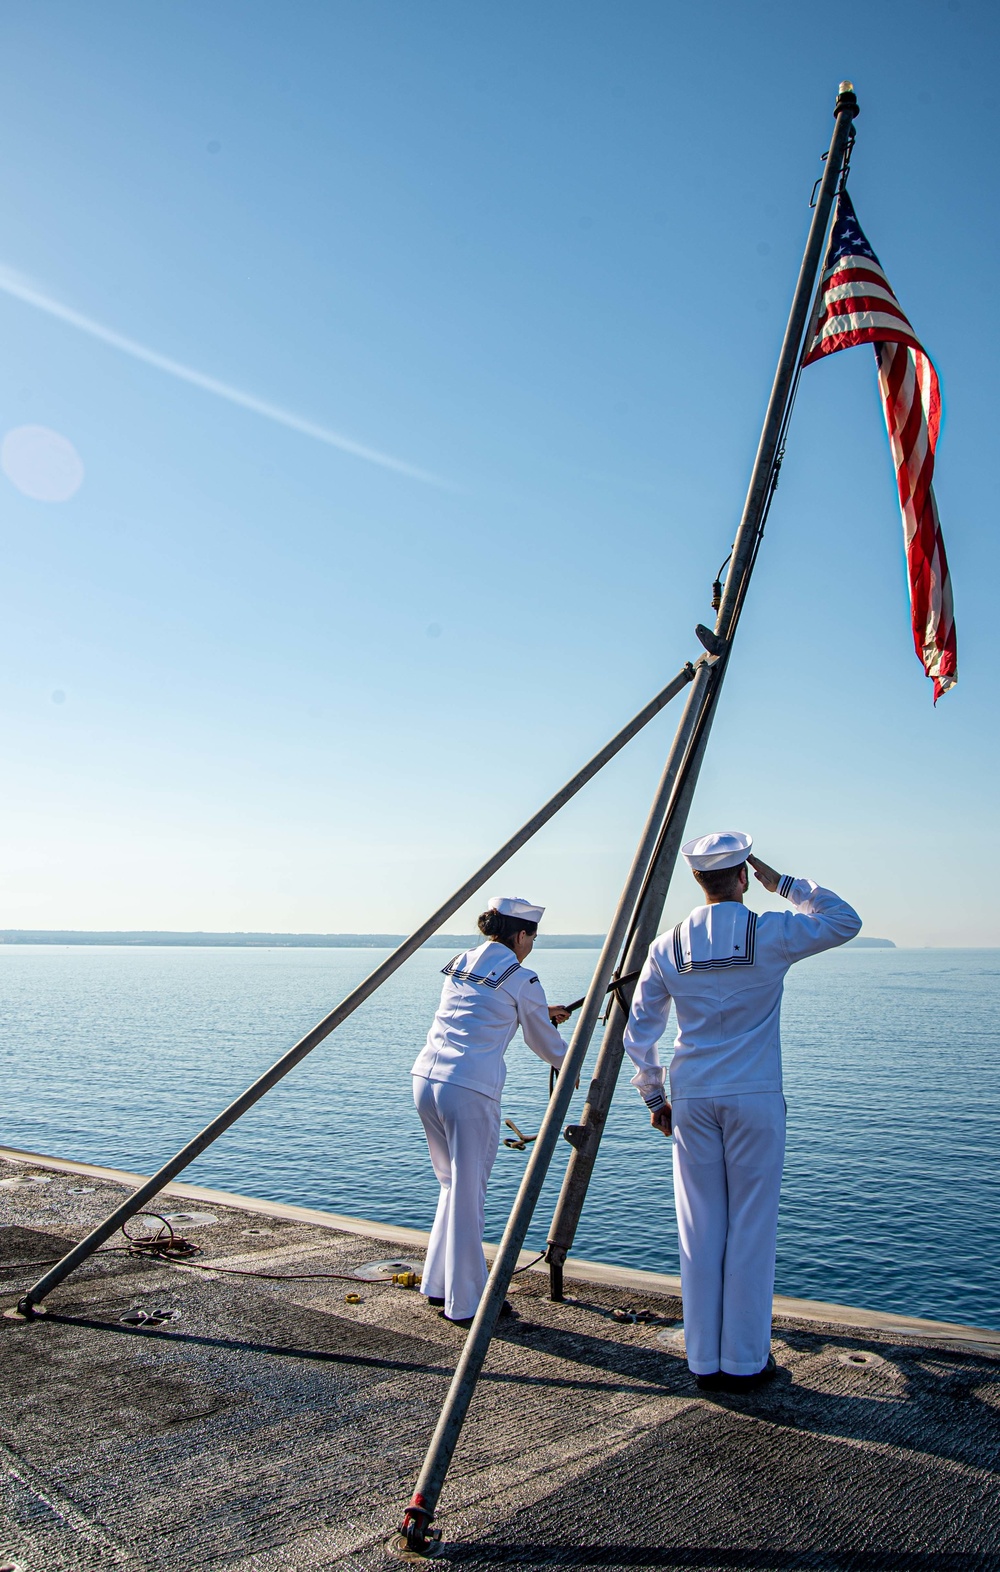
<point>724,967</point>
<point>457,1081</point>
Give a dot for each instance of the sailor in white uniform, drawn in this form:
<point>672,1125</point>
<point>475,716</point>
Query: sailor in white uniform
<point>724,968</point>
<point>457,1080</point>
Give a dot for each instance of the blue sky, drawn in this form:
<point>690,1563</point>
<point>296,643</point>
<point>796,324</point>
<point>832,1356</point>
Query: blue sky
<point>535,261</point>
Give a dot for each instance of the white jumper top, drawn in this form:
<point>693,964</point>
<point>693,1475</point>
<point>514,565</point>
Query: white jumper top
<point>724,967</point>
<point>487,995</point>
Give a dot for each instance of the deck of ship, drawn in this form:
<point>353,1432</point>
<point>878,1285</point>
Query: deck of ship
<point>269,1425</point>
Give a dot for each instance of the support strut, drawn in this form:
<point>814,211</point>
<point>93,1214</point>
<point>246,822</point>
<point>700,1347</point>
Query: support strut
<point>585,1138</point>
<point>142,1197</point>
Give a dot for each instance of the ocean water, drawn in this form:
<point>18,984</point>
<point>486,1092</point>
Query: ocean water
<point>891,1195</point>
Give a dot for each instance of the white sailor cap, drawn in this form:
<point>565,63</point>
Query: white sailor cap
<point>514,906</point>
<point>725,849</point>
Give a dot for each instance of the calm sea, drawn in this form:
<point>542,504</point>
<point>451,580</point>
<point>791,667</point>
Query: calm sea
<point>891,1197</point>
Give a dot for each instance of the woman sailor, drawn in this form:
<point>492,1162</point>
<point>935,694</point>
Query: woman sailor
<point>488,993</point>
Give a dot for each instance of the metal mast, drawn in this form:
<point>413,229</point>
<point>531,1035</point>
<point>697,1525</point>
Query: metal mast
<point>641,904</point>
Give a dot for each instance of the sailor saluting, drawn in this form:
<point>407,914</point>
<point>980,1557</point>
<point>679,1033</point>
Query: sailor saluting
<point>457,1080</point>
<point>724,968</point>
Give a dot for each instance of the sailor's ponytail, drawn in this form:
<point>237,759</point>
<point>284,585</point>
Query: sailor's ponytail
<point>497,926</point>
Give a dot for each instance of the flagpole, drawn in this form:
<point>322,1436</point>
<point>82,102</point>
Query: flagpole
<point>845,110</point>
<point>681,772</point>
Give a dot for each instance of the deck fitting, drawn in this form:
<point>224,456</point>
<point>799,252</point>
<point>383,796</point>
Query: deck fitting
<point>24,1310</point>
<point>417,1540</point>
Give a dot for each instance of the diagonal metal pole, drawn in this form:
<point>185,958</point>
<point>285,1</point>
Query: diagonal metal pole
<point>586,1136</point>
<point>439,1453</point>
<point>647,882</point>
<point>29,1302</point>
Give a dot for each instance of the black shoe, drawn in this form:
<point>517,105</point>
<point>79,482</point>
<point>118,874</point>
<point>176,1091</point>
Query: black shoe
<point>749,1383</point>
<point>711,1383</point>
<point>506,1311</point>
<point>432,1299</point>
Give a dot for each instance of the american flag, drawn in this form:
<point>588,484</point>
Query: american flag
<point>857,306</point>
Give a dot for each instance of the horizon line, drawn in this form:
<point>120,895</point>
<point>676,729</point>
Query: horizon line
<point>14,935</point>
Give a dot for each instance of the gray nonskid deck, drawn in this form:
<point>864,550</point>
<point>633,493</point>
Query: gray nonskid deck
<point>273,1427</point>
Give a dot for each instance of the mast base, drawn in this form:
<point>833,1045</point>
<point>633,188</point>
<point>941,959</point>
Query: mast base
<point>416,1539</point>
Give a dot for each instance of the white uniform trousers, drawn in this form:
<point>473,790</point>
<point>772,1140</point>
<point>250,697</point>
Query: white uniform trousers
<point>728,1157</point>
<point>463,1133</point>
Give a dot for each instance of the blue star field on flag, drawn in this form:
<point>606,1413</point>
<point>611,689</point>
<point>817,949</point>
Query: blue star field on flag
<point>848,238</point>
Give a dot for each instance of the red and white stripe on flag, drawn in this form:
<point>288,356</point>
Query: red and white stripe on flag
<point>857,306</point>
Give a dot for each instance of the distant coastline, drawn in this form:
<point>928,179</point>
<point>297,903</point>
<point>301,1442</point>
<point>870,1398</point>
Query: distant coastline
<point>309,941</point>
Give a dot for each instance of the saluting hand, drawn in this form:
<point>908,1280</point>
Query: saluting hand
<point>764,874</point>
<point>661,1120</point>
<point>557,1014</point>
